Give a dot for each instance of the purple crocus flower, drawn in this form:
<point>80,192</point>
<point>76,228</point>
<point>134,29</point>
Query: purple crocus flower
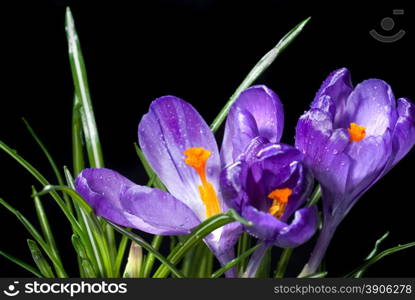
<point>267,182</point>
<point>182,151</point>
<point>351,137</point>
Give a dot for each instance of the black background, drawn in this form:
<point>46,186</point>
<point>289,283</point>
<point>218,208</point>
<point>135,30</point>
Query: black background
<point>199,51</point>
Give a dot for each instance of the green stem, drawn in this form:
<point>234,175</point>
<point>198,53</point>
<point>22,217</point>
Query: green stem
<point>156,243</point>
<point>283,262</point>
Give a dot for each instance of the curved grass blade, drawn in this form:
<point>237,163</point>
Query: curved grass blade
<point>74,195</point>
<point>135,238</point>
<point>235,261</point>
<point>36,235</point>
<point>79,75</point>
<point>22,264</point>
<point>44,182</point>
<point>198,234</point>
<point>49,158</point>
<point>40,260</point>
<point>257,70</point>
<point>373,253</point>
<point>379,256</point>
<point>44,224</point>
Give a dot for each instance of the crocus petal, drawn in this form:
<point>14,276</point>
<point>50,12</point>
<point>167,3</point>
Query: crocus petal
<point>119,200</point>
<point>264,225</point>
<point>231,179</point>
<point>371,105</point>
<point>370,159</point>
<point>324,149</point>
<point>169,128</point>
<point>300,182</point>
<point>157,212</point>
<point>301,229</point>
<point>240,129</point>
<point>267,112</point>
<point>404,134</point>
<point>333,93</point>
<point>101,188</point>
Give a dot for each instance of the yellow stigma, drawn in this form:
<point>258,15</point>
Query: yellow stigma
<point>357,132</point>
<point>279,201</point>
<point>197,158</point>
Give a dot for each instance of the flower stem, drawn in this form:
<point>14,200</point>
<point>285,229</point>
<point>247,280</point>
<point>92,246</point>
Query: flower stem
<point>319,251</point>
<point>283,262</point>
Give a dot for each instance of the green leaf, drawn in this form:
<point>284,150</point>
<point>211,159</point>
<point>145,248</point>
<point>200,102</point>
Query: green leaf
<point>88,240</point>
<point>36,235</point>
<point>257,70</point>
<point>79,76</point>
<point>86,265</point>
<point>21,264</point>
<point>379,256</point>
<point>315,196</point>
<point>49,158</point>
<point>243,245</point>
<point>44,182</point>
<point>44,224</point>
<point>149,261</point>
<point>316,275</point>
<point>235,261</point>
<point>74,195</point>
<point>120,254</point>
<point>40,260</point>
<point>283,262</point>
<point>137,239</point>
<point>198,234</point>
<point>77,141</point>
<point>377,244</point>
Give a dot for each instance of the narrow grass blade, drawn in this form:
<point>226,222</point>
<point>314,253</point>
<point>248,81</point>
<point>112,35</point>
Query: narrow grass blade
<point>88,240</point>
<point>135,238</point>
<point>315,197</point>
<point>77,141</point>
<point>43,181</point>
<point>379,256</point>
<point>74,195</point>
<point>120,254</point>
<point>82,92</point>
<point>50,159</point>
<point>198,234</point>
<point>316,275</point>
<point>257,70</point>
<point>44,224</point>
<point>40,260</point>
<point>36,235</point>
<point>243,245</point>
<point>149,261</point>
<point>85,265</point>
<point>22,264</point>
<point>283,262</point>
<point>235,261</point>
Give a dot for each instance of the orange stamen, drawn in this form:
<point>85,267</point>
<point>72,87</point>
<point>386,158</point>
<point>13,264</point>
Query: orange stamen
<point>357,132</point>
<point>197,158</point>
<point>280,200</point>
